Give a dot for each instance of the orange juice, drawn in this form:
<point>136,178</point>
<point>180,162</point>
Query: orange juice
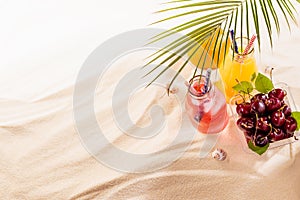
<point>208,47</point>
<point>240,67</point>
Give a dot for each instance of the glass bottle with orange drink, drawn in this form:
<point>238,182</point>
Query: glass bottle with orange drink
<point>237,66</point>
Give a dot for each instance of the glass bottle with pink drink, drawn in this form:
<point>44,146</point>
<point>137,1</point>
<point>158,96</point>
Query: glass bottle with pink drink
<point>206,106</point>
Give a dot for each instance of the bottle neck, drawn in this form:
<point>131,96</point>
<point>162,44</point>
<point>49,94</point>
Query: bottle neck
<point>239,56</point>
<point>200,81</point>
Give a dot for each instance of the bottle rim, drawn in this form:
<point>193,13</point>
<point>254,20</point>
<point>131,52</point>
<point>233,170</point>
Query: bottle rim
<point>199,96</point>
<point>241,54</point>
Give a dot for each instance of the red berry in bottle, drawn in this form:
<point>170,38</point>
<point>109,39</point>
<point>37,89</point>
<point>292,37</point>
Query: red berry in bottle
<point>260,97</point>
<point>243,109</point>
<point>276,134</point>
<point>246,124</point>
<point>263,125</point>
<point>258,107</point>
<point>278,118</point>
<point>273,104</point>
<point>261,140</point>
<point>277,93</point>
<point>287,111</point>
<point>198,88</point>
<point>290,125</point>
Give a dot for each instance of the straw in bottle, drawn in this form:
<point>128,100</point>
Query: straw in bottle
<point>236,50</point>
<point>250,45</point>
<point>207,80</point>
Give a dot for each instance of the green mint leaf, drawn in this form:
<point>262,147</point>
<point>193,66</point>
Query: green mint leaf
<point>244,86</point>
<point>263,84</point>
<point>253,77</point>
<point>256,149</point>
<point>296,115</point>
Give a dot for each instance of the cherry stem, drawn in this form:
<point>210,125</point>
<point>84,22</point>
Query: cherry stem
<point>270,129</point>
<point>256,118</point>
<point>243,97</point>
<point>271,74</point>
<point>295,137</point>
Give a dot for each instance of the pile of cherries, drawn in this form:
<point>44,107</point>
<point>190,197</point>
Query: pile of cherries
<point>266,118</point>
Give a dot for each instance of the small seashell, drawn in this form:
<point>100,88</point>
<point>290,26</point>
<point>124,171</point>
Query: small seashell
<point>219,154</point>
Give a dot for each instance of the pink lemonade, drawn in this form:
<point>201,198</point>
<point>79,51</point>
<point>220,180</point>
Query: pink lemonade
<point>206,106</point>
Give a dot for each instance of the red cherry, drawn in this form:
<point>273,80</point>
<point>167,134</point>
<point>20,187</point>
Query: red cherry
<point>243,109</point>
<point>263,125</point>
<point>277,93</point>
<point>287,111</point>
<point>290,125</point>
<point>260,97</point>
<point>246,124</point>
<point>273,104</point>
<point>278,118</point>
<point>276,134</point>
<point>258,107</point>
<point>261,141</point>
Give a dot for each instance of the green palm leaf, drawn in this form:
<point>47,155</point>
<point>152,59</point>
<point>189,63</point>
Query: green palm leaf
<point>267,19</point>
<point>274,14</point>
<point>211,17</point>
